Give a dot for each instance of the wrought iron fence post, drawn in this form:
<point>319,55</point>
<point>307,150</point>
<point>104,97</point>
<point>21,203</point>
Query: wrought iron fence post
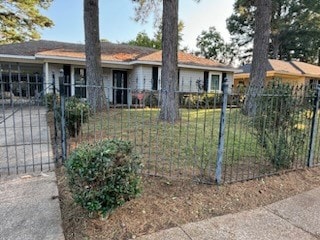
<point>55,116</point>
<point>314,127</point>
<point>63,116</point>
<point>221,131</point>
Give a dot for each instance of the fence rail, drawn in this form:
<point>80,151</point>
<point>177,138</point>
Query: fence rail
<point>24,134</point>
<point>212,138</point>
<point>283,133</point>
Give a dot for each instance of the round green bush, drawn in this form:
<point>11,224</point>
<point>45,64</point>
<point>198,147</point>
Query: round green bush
<point>104,175</point>
<point>151,100</point>
<point>49,99</point>
<point>77,113</point>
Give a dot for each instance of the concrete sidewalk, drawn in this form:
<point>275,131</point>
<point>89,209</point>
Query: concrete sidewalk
<point>29,208</point>
<point>297,217</point>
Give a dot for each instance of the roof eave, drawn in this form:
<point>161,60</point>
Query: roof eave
<point>183,65</point>
<point>210,68</point>
<point>17,57</point>
<point>59,58</point>
<point>312,75</point>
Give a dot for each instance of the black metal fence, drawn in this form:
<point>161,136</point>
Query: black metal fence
<point>25,144</point>
<point>213,140</point>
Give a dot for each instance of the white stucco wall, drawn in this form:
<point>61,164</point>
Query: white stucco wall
<point>107,83</point>
<point>230,77</point>
<point>140,77</point>
<point>136,76</point>
<point>53,69</point>
<point>188,79</point>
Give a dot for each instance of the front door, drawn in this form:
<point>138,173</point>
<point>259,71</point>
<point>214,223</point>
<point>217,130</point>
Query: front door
<point>120,87</point>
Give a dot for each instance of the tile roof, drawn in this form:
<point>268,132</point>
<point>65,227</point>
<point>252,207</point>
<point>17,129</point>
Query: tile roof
<point>306,68</point>
<point>184,58</point>
<point>109,52</point>
<point>32,48</point>
<point>283,66</point>
<point>292,67</point>
<point>117,57</point>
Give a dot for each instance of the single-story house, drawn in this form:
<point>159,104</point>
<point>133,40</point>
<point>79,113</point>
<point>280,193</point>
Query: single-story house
<point>293,72</point>
<point>124,67</point>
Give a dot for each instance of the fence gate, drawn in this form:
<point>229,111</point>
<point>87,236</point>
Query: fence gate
<point>25,144</point>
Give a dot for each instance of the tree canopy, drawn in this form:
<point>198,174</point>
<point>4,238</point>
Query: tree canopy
<point>295,28</point>
<point>142,39</point>
<point>213,46</point>
<point>21,20</point>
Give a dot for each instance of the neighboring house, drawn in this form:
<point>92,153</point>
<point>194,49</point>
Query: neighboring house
<point>126,68</point>
<point>293,72</point>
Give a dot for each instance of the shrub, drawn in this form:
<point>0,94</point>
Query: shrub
<point>203,100</point>
<point>151,100</point>
<point>104,175</point>
<point>76,113</point>
<point>48,101</point>
<point>204,155</point>
<point>279,125</point>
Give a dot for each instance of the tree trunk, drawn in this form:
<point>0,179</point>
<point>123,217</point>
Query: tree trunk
<point>260,54</point>
<point>169,74</point>
<point>96,96</point>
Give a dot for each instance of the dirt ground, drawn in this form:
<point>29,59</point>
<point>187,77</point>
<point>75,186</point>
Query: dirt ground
<point>165,204</point>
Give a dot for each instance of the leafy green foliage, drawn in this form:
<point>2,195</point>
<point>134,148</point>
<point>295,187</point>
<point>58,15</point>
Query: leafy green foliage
<point>212,46</point>
<point>48,100</point>
<point>151,100</point>
<point>143,40</point>
<point>295,29</point>
<point>77,113</point>
<point>203,100</point>
<point>104,175</point>
<point>20,20</point>
<point>280,124</point>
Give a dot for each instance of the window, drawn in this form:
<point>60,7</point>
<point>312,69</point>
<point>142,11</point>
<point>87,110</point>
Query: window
<point>155,75</point>
<point>80,82</point>
<point>205,81</point>
<point>215,82</point>
<point>313,83</point>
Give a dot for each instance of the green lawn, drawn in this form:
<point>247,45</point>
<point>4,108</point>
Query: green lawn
<point>187,147</point>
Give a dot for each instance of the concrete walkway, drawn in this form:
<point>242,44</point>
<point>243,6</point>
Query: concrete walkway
<point>29,208</point>
<point>297,217</point>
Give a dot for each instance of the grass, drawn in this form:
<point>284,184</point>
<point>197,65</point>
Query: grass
<point>185,148</point>
<point>188,147</point>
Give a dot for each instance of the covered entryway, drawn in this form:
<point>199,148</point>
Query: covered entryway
<point>25,142</point>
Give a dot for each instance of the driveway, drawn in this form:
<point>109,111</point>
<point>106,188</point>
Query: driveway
<point>25,144</point>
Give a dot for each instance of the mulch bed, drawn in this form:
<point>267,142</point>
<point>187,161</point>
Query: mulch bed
<point>167,203</point>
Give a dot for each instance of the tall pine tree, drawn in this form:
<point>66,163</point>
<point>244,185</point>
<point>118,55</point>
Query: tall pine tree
<point>295,29</point>
<point>20,20</point>
<point>260,54</point>
<point>96,96</point>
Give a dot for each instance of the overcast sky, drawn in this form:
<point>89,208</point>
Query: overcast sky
<point>116,22</point>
